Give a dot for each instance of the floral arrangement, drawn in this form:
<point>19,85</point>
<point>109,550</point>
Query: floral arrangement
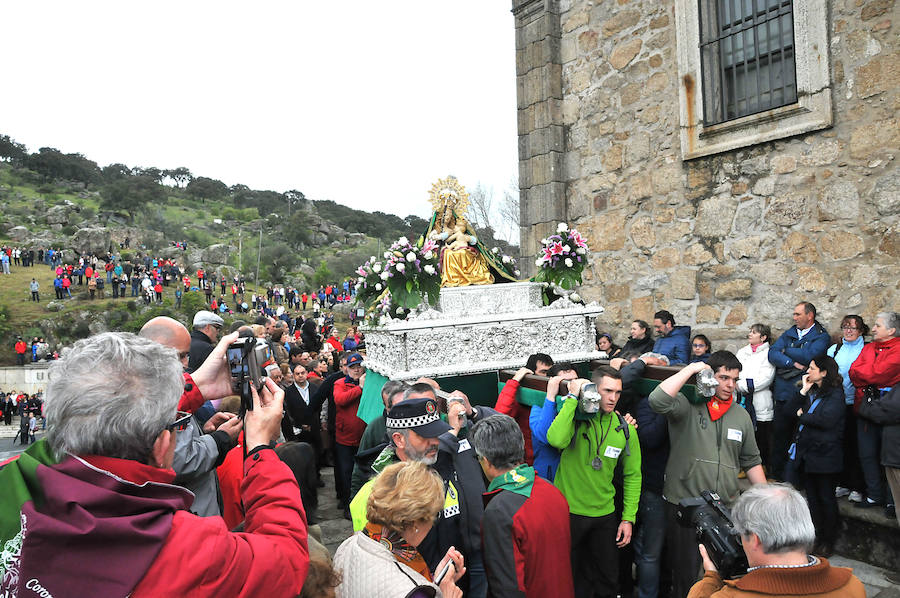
<point>395,286</point>
<point>507,260</point>
<point>561,260</point>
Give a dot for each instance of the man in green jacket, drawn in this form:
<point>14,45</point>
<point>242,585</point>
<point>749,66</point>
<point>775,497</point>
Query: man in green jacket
<point>592,446</point>
<point>710,443</point>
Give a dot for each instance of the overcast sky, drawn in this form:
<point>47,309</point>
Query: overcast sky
<point>365,103</point>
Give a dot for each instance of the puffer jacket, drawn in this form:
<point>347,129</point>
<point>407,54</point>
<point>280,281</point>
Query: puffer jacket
<point>878,364</point>
<point>676,345</point>
<point>369,570</point>
<point>756,367</point>
<point>790,348</point>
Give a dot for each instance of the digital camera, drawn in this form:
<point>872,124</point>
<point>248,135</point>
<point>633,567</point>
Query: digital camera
<point>716,531</point>
<point>246,358</point>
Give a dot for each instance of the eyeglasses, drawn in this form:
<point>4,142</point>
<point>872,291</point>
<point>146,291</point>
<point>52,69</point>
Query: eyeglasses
<point>182,419</point>
<point>698,346</point>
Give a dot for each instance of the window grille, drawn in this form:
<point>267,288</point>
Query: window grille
<point>746,57</point>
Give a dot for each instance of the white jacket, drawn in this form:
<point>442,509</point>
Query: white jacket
<point>756,367</point>
<point>369,570</point>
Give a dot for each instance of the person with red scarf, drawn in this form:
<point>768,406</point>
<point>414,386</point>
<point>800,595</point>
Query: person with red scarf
<point>875,371</point>
<point>711,440</point>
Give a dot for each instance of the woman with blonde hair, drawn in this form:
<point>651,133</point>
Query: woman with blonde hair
<point>381,560</point>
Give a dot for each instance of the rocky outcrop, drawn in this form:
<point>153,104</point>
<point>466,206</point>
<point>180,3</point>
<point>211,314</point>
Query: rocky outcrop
<point>62,214</point>
<point>91,240</point>
<point>18,233</point>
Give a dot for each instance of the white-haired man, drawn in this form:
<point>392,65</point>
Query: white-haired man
<point>109,449</point>
<point>777,532</point>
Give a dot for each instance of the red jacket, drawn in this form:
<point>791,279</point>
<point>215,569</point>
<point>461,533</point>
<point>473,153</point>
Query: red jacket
<point>507,404</point>
<point>21,347</point>
<point>348,428</point>
<point>527,542</point>
<point>878,364</point>
<point>202,558</point>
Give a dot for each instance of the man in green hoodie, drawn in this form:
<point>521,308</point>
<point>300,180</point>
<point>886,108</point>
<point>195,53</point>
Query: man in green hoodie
<point>594,440</point>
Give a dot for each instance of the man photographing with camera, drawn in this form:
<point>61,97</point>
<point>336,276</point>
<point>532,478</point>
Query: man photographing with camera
<point>776,531</point>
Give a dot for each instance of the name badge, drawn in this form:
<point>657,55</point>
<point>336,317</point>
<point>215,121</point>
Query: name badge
<point>612,452</point>
<point>735,434</point>
<point>464,445</point>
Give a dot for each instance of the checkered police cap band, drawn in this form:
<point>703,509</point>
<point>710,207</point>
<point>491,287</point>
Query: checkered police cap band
<point>412,422</point>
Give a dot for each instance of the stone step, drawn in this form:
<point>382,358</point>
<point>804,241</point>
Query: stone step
<point>867,535</point>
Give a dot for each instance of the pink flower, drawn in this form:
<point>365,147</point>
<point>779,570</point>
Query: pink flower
<point>555,249</point>
<point>547,255</point>
<point>578,239</point>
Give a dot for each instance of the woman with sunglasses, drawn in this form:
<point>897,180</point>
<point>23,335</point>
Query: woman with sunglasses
<point>845,352</point>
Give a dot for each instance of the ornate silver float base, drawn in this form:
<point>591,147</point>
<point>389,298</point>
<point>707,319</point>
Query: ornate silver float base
<point>482,329</point>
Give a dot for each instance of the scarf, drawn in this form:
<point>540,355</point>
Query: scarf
<point>718,408</point>
<point>402,550</point>
<point>519,480</point>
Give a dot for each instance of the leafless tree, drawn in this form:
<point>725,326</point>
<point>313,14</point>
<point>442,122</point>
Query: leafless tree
<point>509,211</point>
<point>481,200</point>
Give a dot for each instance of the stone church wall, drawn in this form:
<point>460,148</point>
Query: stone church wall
<point>721,241</point>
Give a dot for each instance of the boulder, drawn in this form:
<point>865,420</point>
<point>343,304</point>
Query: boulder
<point>18,233</point>
<point>306,270</point>
<point>59,214</point>
<point>55,306</point>
<point>216,254</point>
<point>355,239</point>
<point>91,240</point>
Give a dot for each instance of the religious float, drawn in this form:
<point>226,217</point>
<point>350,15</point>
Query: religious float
<point>446,307</point>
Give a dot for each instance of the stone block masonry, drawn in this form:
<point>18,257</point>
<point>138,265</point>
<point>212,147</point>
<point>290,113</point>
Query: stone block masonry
<point>724,240</point>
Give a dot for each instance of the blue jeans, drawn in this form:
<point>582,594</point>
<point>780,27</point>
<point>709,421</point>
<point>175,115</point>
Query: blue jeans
<point>868,437</point>
<point>648,543</point>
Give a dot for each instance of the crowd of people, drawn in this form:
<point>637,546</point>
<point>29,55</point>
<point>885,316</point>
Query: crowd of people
<point>567,497</point>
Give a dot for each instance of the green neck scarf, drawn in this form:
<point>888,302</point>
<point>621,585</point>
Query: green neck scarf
<point>519,480</point>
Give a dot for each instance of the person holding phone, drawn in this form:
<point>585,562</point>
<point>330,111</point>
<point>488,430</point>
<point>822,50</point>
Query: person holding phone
<point>382,560</point>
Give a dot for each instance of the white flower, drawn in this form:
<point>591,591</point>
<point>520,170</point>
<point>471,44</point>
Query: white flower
<point>539,262</point>
<point>372,259</point>
<point>411,256</point>
<point>568,262</point>
<point>580,251</point>
<point>566,248</point>
<point>506,259</point>
<point>544,241</point>
<point>385,276</point>
<point>400,310</point>
<point>387,254</point>
<point>429,269</point>
<point>378,287</point>
<point>562,227</point>
<point>402,241</point>
<point>361,280</point>
<point>376,268</point>
<point>401,267</point>
<point>428,255</point>
<point>496,250</point>
<point>575,297</point>
<point>517,273</point>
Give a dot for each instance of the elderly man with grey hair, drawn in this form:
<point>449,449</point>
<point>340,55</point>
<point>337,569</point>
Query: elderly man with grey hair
<point>777,532</point>
<point>525,526</point>
<point>92,511</point>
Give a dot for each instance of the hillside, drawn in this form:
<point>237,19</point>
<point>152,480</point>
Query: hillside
<point>52,199</point>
